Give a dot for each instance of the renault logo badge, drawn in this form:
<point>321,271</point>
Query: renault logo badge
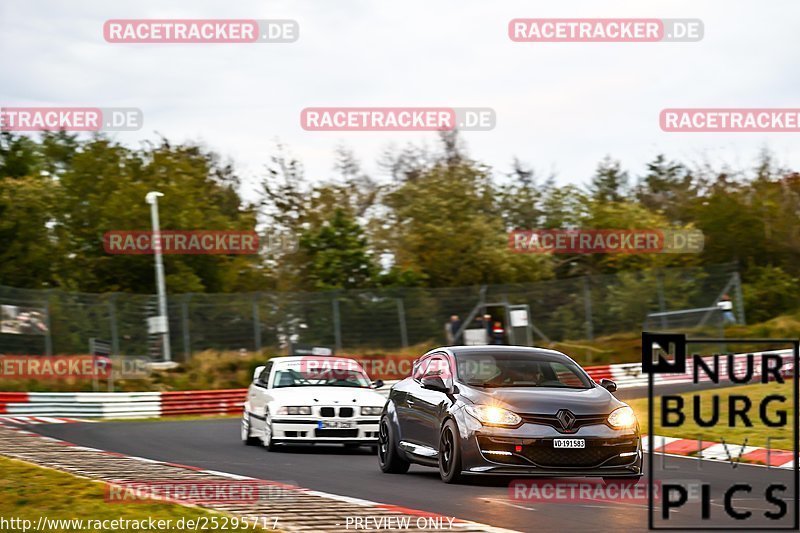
<point>566,419</point>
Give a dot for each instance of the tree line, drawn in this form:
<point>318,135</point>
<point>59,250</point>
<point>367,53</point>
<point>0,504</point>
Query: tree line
<point>435,217</point>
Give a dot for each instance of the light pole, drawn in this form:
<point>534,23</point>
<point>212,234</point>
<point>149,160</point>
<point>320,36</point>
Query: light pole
<point>162,322</point>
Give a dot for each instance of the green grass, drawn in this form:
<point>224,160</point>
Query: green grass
<point>28,492</point>
<point>627,347</point>
<point>756,435</point>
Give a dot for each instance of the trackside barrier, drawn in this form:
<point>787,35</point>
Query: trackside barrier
<point>156,404</point>
<point>631,375</point>
<point>83,404</point>
<point>11,397</point>
<point>202,402</point>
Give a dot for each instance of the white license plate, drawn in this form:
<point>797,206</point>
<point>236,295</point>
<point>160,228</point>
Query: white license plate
<point>569,443</point>
<point>334,424</point>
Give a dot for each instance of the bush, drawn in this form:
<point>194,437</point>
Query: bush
<point>769,292</point>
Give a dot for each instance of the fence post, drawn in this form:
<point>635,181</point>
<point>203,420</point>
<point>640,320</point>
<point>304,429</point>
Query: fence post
<point>112,317</point>
<point>507,329</point>
<point>737,280</point>
<point>662,306</point>
<point>337,326</point>
<point>587,307</point>
<point>48,338</point>
<point>187,339</point>
<point>256,324</point>
<point>401,316</point>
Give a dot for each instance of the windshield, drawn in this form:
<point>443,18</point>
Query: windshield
<point>291,377</point>
<point>515,370</point>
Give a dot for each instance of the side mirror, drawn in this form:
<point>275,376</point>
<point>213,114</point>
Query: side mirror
<point>434,383</point>
<point>257,372</point>
<point>609,385</point>
<point>377,384</point>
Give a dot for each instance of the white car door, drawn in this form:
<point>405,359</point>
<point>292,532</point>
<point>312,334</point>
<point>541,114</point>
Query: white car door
<point>258,396</point>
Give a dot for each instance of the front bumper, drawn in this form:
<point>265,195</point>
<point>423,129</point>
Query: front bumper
<point>528,450</point>
<point>363,429</point>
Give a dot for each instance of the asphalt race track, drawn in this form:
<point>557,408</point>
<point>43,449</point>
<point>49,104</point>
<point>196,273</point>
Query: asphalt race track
<point>215,444</point>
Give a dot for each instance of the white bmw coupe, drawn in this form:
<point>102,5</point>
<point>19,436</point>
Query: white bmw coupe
<point>312,399</point>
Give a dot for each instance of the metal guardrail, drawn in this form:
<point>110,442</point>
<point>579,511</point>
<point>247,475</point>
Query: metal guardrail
<point>631,375</point>
<point>202,402</point>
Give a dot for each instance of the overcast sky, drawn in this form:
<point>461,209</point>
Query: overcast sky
<point>560,107</point>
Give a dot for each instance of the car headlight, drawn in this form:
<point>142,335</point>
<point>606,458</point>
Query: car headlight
<point>491,415</point>
<point>295,410</point>
<point>621,418</point>
<point>371,411</point>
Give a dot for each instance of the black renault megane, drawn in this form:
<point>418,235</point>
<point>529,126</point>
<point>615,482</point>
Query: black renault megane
<point>507,410</point>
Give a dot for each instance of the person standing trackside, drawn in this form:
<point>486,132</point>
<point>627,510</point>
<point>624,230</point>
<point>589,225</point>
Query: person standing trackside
<point>498,334</point>
<point>451,330</point>
<point>726,306</point>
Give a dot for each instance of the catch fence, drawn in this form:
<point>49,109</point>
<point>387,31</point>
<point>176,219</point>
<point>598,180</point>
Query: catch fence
<point>383,320</point>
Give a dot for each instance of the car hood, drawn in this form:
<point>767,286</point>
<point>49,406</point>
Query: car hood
<point>327,396</point>
<point>544,400</point>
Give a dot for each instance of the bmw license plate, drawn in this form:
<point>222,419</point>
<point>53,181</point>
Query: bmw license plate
<point>569,443</point>
<point>334,424</point>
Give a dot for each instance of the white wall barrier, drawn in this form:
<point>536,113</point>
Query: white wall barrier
<point>631,375</point>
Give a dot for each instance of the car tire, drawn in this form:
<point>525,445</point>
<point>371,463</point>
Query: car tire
<point>248,439</point>
<point>388,458</point>
<point>267,440</point>
<point>450,453</point>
